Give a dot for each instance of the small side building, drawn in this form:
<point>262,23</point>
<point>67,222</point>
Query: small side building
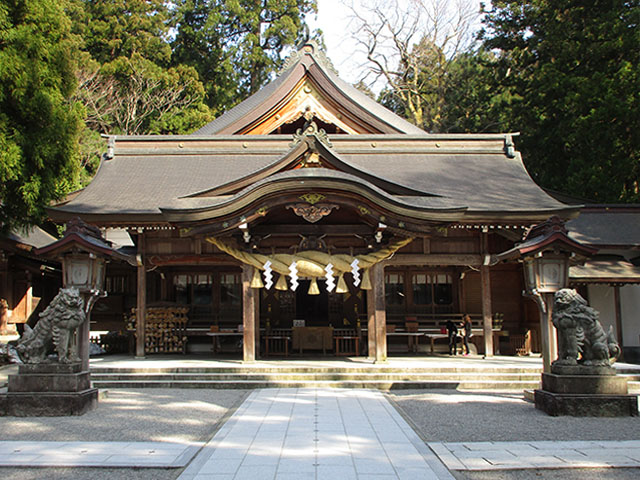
<point>610,281</point>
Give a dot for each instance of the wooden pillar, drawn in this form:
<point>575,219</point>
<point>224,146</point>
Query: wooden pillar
<point>141,303</point>
<point>256,315</point>
<point>28,297</point>
<point>371,325</point>
<point>546,332</point>
<point>248,315</point>
<point>487,322</point>
<point>377,272</point>
<point>83,339</point>
<point>618,310</point>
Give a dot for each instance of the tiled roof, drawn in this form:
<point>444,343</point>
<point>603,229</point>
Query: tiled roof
<point>139,180</point>
<point>615,226</point>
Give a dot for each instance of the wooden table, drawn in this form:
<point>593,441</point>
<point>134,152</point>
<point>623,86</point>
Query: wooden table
<point>313,338</point>
<point>413,339</point>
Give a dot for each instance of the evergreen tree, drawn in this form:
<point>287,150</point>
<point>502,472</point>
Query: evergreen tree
<point>236,45</point>
<point>573,71</point>
<point>39,125</point>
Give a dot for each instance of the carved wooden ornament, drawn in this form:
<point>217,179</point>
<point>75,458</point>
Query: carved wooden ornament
<point>312,213</point>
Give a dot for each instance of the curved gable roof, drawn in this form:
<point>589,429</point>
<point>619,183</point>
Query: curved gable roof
<point>309,63</point>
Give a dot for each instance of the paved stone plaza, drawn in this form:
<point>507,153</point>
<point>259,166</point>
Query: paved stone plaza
<point>189,434</point>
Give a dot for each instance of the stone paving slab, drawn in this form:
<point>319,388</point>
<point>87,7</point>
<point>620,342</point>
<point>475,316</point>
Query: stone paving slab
<point>541,454</point>
<point>96,454</point>
<point>301,433</point>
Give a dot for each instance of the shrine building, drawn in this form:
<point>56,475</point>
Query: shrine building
<point>309,219</point>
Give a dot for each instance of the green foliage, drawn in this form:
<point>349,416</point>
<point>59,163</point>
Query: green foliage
<point>39,125</point>
<point>573,72</point>
<point>471,103</point>
<point>123,28</point>
<point>236,45</point>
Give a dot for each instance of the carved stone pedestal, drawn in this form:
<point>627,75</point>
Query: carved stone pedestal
<point>583,391</point>
<point>49,390</point>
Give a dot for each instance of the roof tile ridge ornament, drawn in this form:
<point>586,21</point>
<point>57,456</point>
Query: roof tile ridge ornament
<point>509,146</point>
<point>80,227</point>
<point>310,130</point>
<point>308,47</point>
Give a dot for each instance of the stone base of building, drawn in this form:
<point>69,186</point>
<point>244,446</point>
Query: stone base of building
<point>585,396</point>
<point>49,390</point>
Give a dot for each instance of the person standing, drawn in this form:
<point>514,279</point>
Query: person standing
<point>453,337</point>
<point>466,326</point>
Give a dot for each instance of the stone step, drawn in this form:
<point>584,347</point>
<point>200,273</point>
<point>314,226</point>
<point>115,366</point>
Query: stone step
<point>373,384</point>
<point>337,376</point>
<point>633,386</point>
<point>316,370</point>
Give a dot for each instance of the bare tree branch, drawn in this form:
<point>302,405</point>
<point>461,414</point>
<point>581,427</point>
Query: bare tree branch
<point>410,47</point>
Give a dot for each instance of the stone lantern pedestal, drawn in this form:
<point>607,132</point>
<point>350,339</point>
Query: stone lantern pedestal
<point>49,390</point>
<point>585,391</point>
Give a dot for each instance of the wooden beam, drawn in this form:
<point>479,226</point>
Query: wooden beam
<point>346,230</point>
<point>204,259</point>
<point>141,301</point>
<point>434,259</point>
<point>380,313</point>
<point>248,315</point>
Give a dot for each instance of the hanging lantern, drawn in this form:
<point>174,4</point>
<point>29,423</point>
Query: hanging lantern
<point>313,288</point>
<point>342,285</point>
<point>366,281</point>
<point>281,284</point>
<point>256,281</point>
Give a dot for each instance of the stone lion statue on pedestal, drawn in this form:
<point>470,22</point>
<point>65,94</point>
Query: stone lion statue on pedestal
<point>55,328</point>
<point>581,338</point>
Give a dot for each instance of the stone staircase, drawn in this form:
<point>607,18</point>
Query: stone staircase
<point>375,377</point>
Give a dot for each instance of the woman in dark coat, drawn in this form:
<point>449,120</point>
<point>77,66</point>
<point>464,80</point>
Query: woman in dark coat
<point>466,326</point>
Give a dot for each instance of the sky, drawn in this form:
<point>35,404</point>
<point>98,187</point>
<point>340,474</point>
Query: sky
<point>334,19</point>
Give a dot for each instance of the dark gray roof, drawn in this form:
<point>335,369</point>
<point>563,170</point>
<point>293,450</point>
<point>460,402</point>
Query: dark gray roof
<point>489,182</point>
<point>314,64</point>
<point>139,184</point>
<point>34,237</point>
<point>605,270</point>
<point>243,108</point>
<point>607,226</point>
<point>484,180</point>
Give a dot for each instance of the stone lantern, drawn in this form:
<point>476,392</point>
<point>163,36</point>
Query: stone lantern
<point>546,253</point>
<point>83,253</point>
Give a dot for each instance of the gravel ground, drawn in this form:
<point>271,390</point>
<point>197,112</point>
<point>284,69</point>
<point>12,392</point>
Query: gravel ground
<point>445,416</point>
<point>155,415</point>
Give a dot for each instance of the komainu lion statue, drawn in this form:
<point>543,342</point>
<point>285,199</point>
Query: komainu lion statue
<point>55,328</point>
<point>581,338</point>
